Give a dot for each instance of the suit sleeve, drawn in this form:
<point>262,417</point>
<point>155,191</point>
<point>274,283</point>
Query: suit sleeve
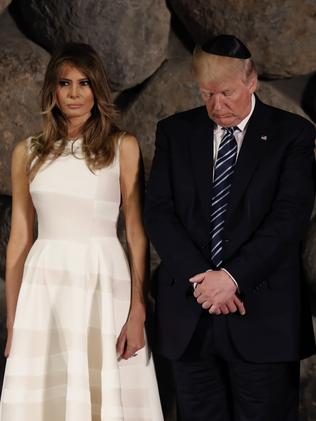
<point>174,246</point>
<point>288,219</point>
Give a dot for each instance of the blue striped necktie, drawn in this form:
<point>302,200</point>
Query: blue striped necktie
<point>223,173</point>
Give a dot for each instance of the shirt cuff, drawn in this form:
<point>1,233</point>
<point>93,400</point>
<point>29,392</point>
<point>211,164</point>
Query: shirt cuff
<point>224,270</point>
<point>196,284</point>
<point>231,277</point>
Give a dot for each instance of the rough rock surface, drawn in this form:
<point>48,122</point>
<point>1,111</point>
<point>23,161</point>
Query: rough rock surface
<point>285,94</point>
<point>309,255</point>
<point>281,35</point>
<point>176,48</point>
<point>130,35</point>
<point>172,89</point>
<point>22,67</point>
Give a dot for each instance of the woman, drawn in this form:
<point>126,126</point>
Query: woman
<point>75,305</point>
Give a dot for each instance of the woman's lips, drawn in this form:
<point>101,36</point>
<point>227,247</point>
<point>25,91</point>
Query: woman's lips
<point>74,106</point>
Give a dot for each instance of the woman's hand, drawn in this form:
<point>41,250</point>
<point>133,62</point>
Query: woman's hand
<point>9,341</point>
<point>132,337</point>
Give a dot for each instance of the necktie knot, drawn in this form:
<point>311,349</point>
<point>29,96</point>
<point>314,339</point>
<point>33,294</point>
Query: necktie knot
<point>230,130</point>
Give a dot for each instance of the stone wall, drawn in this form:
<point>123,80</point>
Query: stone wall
<point>146,46</point>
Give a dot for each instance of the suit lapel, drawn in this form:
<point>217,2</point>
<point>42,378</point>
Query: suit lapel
<point>201,149</point>
<point>252,150</point>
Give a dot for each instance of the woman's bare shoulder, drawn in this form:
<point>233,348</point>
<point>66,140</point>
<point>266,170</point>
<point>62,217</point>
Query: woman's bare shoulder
<point>21,148</point>
<point>20,153</point>
<point>129,144</point>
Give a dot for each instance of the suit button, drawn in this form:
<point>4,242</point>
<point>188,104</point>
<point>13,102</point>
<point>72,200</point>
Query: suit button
<point>226,240</point>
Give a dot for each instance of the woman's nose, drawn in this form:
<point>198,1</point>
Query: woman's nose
<point>74,91</point>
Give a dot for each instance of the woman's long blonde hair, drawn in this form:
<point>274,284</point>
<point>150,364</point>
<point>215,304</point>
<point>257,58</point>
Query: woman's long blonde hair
<point>99,133</point>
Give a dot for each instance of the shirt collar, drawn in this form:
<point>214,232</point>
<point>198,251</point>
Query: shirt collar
<point>241,126</point>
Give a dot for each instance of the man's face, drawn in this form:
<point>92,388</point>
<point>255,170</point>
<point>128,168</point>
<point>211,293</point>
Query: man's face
<point>228,102</point>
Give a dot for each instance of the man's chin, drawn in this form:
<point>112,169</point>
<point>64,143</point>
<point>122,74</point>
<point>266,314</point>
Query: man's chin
<point>224,121</point>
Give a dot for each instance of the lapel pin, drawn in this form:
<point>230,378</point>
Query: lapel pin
<point>264,138</point>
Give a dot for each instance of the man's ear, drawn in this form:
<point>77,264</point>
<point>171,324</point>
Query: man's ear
<point>253,83</point>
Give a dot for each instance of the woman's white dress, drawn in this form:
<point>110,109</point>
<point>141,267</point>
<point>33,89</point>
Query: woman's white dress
<point>73,302</point>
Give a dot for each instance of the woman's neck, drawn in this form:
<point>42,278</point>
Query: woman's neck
<point>75,127</point>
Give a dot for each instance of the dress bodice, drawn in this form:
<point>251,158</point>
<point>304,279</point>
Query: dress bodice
<point>73,202</point>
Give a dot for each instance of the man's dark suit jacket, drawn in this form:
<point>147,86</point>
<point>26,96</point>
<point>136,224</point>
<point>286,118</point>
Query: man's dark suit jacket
<point>269,208</point>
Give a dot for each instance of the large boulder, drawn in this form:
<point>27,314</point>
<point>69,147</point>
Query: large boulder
<point>176,47</point>
<point>285,94</point>
<point>281,35</point>
<point>131,36</point>
<point>172,89</point>
<point>22,68</point>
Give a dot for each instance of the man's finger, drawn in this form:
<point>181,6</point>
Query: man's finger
<point>206,305</point>
<point>198,278</point>
<point>231,306</point>
<point>224,309</point>
<point>201,299</point>
<point>197,291</point>
<point>214,309</point>
<point>240,306</point>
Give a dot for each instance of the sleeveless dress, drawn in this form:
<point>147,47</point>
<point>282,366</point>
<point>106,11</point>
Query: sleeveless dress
<point>73,302</point>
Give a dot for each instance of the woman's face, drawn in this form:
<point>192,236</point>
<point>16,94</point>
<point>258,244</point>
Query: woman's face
<point>74,94</point>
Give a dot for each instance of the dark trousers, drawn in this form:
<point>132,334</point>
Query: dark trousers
<point>213,383</point>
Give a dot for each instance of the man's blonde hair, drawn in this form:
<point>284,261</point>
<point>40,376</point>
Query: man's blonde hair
<point>214,68</point>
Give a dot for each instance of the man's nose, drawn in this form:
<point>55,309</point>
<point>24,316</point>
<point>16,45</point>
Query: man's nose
<point>217,103</point>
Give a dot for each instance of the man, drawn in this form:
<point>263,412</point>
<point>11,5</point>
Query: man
<point>229,199</point>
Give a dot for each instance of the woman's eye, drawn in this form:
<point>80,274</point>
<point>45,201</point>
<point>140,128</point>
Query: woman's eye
<point>63,83</point>
<point>85,82</point>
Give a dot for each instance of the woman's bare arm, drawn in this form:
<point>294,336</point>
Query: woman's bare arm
<point>131,189</point>
<point>21,234</point>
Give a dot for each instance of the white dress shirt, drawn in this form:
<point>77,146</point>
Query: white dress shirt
<point>239,134</point>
